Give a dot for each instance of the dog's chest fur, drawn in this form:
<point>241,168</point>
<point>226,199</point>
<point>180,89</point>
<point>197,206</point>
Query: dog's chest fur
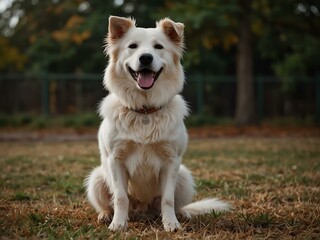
<point>143,163</point>
<point>144,167</point>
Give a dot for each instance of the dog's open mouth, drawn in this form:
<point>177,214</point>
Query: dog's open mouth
<point>145,77</point>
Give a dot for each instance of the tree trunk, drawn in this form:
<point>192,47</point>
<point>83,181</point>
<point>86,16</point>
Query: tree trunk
<point>245,105</point>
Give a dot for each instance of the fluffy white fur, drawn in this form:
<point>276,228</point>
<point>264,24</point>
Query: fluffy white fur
<point>141,168</point>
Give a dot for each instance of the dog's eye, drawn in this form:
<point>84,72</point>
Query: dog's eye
<point>158,46</point>
<point>133,45</point>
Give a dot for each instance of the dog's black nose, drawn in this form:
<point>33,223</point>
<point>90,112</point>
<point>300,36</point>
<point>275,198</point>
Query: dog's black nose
<point>146,59</point>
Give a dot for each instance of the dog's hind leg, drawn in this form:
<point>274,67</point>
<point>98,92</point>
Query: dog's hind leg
<point>98,194</point>
<point>184,191</point>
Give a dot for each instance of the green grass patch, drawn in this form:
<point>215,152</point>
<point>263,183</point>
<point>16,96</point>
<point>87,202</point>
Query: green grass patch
<point>258,220</point>
<point>204,184</point>
<point>21,196</point>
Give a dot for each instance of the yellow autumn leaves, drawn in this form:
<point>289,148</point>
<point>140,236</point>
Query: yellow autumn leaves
<point>11,57</point>
<point>72,31</point>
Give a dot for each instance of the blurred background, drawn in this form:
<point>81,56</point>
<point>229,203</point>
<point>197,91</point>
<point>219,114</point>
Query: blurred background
<point>246,61</point>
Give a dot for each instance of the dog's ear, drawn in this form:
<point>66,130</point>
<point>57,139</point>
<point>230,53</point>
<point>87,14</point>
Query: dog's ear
<point>118,26</point>
<point>173,30</point>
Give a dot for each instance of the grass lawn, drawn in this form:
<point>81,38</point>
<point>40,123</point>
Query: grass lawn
<point>273,183</point>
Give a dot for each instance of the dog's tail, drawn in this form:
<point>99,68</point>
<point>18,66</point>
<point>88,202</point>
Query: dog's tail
<point>205,206</point>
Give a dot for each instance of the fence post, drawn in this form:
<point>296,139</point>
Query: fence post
<point>318,98</point>
<point>79,100</point>
<point>45,95</point>
<point>199,81</point>
<point>260,98</point>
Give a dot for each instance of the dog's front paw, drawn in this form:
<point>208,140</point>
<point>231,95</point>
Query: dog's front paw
<point>118,226</point>
<point>104,217</point>
<point>170,226</point>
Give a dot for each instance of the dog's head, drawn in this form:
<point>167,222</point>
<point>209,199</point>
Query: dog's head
<point>144,60</point>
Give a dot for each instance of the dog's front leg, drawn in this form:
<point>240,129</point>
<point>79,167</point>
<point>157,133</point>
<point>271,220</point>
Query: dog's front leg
<point>168,184</point>
<point>120,196</point>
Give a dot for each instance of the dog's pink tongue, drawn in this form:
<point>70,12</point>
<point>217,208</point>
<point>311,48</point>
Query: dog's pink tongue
<point>145,79</point>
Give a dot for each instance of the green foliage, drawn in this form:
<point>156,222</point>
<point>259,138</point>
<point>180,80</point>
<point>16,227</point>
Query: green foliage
<point>11,57</point>
<point>68,36</point>
<point>284,34</point>
<point>80,120</point>
<point>38,122</point>
<point>196,121</point>
<point>302,61</point>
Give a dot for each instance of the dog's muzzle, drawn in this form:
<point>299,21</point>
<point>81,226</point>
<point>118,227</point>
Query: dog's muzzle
<point>145,77</point>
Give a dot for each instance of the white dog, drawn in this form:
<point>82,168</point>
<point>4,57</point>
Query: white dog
<point>142,136</point>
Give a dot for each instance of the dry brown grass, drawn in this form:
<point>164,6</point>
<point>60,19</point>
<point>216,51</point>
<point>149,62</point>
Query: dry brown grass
<point>273,183</point>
